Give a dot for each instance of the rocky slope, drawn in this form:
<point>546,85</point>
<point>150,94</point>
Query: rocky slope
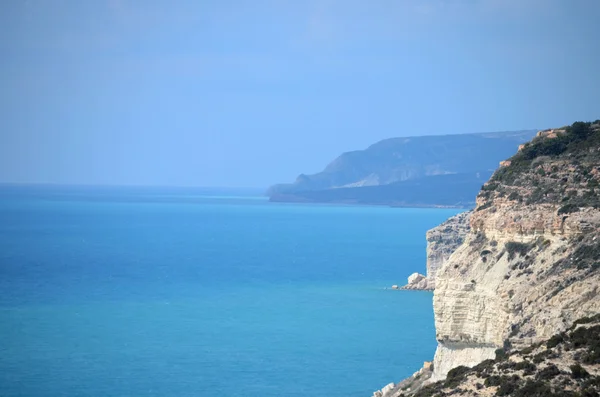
<point>530,265</point>
<point>442,241</point>
<point>443,170</point>
<point>566,365</point>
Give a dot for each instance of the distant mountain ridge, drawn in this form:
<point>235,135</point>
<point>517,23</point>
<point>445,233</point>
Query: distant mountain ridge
<point>442,170</point>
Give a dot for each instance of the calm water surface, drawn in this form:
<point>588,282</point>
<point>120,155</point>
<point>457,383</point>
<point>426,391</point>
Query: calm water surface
<point>150,292</point>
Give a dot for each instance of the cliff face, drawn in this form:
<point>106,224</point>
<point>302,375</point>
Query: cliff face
<point>530,264</point>
<point>442,241</point>
<point>511,290</point>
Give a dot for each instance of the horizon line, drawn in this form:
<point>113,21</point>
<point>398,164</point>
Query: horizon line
<point>124,185</point>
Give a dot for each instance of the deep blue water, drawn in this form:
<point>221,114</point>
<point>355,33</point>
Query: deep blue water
<point>183,292</point>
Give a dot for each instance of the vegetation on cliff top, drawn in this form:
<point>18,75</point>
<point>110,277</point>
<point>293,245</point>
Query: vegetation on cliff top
<point>559,166</point>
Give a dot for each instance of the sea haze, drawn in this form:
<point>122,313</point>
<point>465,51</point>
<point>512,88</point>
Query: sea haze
<point>184,292</point>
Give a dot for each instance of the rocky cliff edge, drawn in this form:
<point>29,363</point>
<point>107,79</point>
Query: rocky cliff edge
<point>442,241</point>
<point>530,265</point>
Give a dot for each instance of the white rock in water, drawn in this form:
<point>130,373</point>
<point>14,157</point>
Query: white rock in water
<point>384,392</point>
<point>415,278</point>
<point>423,284</point>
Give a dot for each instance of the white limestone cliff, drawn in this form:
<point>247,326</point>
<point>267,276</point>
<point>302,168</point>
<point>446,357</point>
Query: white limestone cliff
<point>530,264</point>
<point>511,283</point>
<point>442,241</point>
<point>489,297</point>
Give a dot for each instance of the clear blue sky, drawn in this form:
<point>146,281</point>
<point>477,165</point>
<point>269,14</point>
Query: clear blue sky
<point>247,93</point>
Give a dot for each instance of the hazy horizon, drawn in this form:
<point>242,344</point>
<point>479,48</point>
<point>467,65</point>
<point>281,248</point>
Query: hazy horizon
<point>215,187</point>
<point>255,189</point>
<point>247,94</point>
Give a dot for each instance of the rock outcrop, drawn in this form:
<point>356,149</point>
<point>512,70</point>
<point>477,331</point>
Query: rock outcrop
<point>385,391</point>
<point>417,281</point>
<point>530,264</point>
<point>415,382</point>
<point>442,241</point>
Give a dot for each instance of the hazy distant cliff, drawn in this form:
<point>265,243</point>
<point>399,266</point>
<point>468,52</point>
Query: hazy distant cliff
<point>428,170</point>
<point>530,265</point>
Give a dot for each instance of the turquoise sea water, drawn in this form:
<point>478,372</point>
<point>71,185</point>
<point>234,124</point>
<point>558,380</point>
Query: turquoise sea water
<point>145,292</point>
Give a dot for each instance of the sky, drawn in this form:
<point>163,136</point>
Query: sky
<point>249,93</point>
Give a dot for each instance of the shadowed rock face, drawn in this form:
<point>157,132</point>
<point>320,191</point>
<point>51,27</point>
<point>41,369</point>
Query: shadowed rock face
<point>443,170</point>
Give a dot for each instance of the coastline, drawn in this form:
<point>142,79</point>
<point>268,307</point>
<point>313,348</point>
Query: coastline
<point>390,204</point>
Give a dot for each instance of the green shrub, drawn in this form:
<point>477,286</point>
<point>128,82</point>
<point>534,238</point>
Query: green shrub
<point>580,130</point>
<point>588,338</point>
<point>484,206</point>
<point>484,367</point>
<point>515,196</point>
<point>591,383</point>
<point>456,376</point>
<point>586,320</point>
<point>514,248</point>
<point>538,358</point>
<point>568,208</point>
<point>534,389</point>
<point>500,355</point>
<point>550,372</point>
<point>527,350</point>
<point>507,388</point>
<point>525,366</point>
<point>587,253</point>
<point>493,380</point>
<point>578,372</point>
<point>428,391</point>
<point>555,341</point>
<point>489,186</point>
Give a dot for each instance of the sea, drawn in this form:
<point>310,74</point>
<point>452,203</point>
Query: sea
<point>113,291</point>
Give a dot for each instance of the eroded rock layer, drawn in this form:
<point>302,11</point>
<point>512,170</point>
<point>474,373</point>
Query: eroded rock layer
<point>530,264</point>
